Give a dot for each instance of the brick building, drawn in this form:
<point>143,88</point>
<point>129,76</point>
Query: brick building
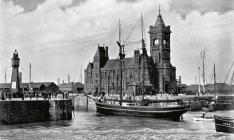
<point>159,77</point>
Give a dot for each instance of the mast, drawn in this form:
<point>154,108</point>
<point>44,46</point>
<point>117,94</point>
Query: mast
<point>143,57</point>
<point>81,76</point>
<point>199,80</point>
<point>5,80</point>
<point>203,70</point>
<point>121,57</point>
<point>30,77</point>
<point>120,32</point>
<point>214,79</point>
<point>100,75</point>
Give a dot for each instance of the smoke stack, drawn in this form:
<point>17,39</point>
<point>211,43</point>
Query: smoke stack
<point>30,77</point>
<point>5,76</point>
<point>58,81</point>
<point>68,79</point>
<point>180,82</point>
<point>62,81</point>
<point>81,78</point>
<point>30,74</point>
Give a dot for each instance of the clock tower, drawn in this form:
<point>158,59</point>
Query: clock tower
<point>160,53</point>
<point>160,41</point>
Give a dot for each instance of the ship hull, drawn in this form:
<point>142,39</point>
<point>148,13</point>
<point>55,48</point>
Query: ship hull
<point>224,125</point>
<point>173,113</point>
<point>223,106</point>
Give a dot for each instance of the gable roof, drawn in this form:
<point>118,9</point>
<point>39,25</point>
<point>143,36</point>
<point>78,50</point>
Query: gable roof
<point>114,63</point>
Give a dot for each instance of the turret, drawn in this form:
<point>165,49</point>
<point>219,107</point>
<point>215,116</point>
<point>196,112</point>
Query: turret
<point>15,60</point>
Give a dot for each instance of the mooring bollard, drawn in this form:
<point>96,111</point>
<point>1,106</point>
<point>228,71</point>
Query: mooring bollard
<point>87,106</point>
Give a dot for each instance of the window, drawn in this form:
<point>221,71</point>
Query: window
<point>103,75</point>
<point>136,71</point>
<point>159,57</point>
<point>96,66</point>
<point>90,73</point>
<point>96,75</point>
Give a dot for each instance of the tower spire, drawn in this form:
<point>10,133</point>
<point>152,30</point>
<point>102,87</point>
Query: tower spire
<point>159,22</point>
<point>159,10</point>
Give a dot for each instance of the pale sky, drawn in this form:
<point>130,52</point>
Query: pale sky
<point>60,37</point>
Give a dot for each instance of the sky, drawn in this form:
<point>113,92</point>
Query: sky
<point>60,37</point>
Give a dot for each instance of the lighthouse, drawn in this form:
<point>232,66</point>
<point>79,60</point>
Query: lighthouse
<point>15,79</point>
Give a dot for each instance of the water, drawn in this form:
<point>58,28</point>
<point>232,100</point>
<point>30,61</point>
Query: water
<point>87,125</point>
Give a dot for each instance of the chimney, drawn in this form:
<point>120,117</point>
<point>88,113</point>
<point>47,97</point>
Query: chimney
<point>20,77</point>
<point>68,78</point>
<point>106,53</point>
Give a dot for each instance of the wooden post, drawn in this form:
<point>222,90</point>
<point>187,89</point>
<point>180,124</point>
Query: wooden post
<point>87,102</point>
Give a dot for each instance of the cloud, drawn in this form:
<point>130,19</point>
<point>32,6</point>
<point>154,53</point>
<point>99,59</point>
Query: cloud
<point>129,1</point>
<point>184,7</point>
<point>27,5</point>
<point>73,4</point>
<point>58,43</point>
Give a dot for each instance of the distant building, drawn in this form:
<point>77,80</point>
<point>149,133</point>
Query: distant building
<point>36,87</point>
<point>160,76</point>
<point>221,88</point>
<point>76,87</point>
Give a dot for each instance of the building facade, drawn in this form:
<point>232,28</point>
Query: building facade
<point>156,70</point>
<point>72,87</point>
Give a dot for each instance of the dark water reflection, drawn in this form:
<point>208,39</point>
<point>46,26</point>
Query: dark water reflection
<point>87,125</point>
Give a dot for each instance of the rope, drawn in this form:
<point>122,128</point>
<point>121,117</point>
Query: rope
<point>133,28</point>
<point>227,75</point>
<point>229,72</point>
<point>231,81</point>
<point>113,36</point>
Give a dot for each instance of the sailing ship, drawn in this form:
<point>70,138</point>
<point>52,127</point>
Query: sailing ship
<point>223,102</point>
<point>140,108</point>
<point>224,124</point>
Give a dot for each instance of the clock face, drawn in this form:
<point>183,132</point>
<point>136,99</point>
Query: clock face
<point>156,42</point>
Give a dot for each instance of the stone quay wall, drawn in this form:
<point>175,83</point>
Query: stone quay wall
<point>26,111</point>
<point>82,103</point>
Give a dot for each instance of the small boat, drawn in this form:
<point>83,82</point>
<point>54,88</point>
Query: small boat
<point>224,104</point>
<point>203,118</point>
<point>224,124</point>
